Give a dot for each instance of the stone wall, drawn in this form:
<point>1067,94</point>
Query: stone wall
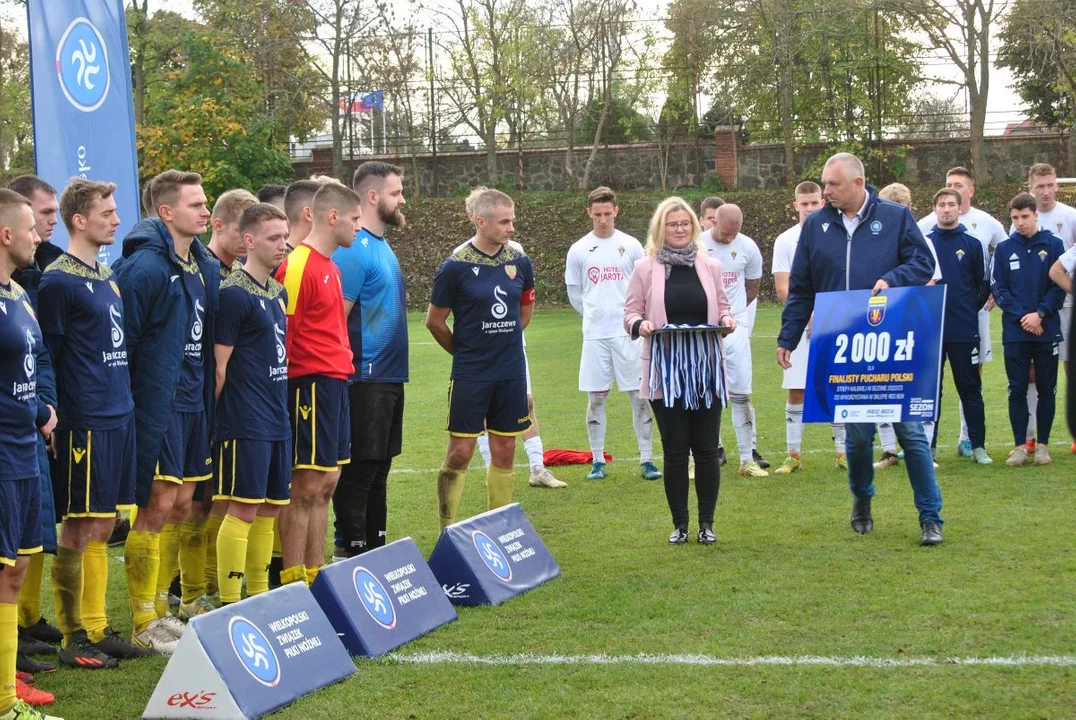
<point>653,166</point>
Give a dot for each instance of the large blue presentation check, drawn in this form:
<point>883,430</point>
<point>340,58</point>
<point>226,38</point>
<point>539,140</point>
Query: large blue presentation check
<point>875,358</point>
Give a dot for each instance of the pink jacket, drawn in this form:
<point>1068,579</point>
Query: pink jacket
<point>646,301</point>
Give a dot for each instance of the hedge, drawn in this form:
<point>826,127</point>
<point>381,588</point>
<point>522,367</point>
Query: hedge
<point>547,223</point>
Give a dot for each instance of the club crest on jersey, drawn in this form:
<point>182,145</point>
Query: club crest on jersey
<point>1060,225</point>
<point>510,271</point>
<point>115,287</point>
<point>876,227</point>
<point>876,310</point>
<point>733,253</point>
<point>959,255</point>
<point>620,249</point>
<point>1042,254</point>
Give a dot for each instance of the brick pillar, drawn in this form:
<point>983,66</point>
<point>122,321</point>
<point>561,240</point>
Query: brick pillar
<point>727,151</point>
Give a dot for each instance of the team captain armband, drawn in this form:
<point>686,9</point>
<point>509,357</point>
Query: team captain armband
<point>527,298</point>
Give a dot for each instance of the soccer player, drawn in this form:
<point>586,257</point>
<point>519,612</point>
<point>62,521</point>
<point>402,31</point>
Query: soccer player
<point>488,288</point>
<point>297,200</point>
<point>319,365</point>
<point>532,439</point>
<point>808,198</point>
<point>170,287</point>
<point>989,232</point>
<point>1030,303</point>
<point>253,436</point>
<point>1060,219</point>
<point>226,243</point>
<point>36,635</point>
<point>375,300</point>
<point>708,211</point>
<point>741,266</point>
<point>840,250</point>
<point>22,416</point>
<point>81,317</point>
<point>963,268</point>
<point>597,271</point>
<point>273,195</point>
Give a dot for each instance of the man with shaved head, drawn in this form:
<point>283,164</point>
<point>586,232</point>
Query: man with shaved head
<point>741,266</point>
<point>858,242</point>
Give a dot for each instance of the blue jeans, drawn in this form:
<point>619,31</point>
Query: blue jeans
<point>917,459</point>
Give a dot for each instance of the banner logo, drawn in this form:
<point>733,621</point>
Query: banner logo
<point>492,556</point>
<point>374,598</point>
<point>82,65</point>
<point>876,310</point>
<point>254,651</point>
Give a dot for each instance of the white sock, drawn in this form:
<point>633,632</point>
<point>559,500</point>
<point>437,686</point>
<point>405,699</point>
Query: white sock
<point>483,447</point>
<point>644,425</point>
<point>888,436</point>
<point>1032,408</point>
<point>741,423</point>
<point>535,454</point>
<point>963,425</point>
<point>754,426</point>
<point>596,424</point>
<point>794,427</point>
<point>838,437</point>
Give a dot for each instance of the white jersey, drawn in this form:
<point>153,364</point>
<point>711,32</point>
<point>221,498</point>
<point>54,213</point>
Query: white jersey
<point>1061,221</point>
<point>601,269</point>
<point>980,224</point>
<point>741,261</point>
<point>784,249</point>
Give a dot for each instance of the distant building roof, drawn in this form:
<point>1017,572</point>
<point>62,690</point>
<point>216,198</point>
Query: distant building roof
<point>1025,127</point>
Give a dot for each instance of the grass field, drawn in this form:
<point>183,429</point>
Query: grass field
<point>787,578</point>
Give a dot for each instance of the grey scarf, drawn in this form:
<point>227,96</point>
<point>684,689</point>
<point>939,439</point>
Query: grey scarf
<point>684,256</point>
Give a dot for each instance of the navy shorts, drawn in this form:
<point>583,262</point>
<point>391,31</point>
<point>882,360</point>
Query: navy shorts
<point>185,449</point>
<point>95,470</point>
<point>498,406</point>
<point>320,422</point>
<point>20,518</point>
<point>252,471</point>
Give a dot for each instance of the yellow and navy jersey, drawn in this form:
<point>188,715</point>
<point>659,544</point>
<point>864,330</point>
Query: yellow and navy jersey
<point>191,383</point>
<point>19,336</point>
<point>252,321</point>
<point>485,294</point>
<point>82,322</point>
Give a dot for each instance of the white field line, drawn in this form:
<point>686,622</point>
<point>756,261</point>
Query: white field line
<point>443,658</point>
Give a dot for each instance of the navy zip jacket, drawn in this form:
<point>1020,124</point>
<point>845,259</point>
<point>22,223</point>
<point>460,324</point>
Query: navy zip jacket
<point>963,270</point>
<point>886,245</point>
<point>1021,282</point>
<point>155,320</point>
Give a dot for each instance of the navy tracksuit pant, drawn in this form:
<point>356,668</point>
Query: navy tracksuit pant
<point>1018,359</point>
<point>964,360</point>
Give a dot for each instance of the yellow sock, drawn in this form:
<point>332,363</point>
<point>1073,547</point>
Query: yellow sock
<point>9,648</point>
<point>168,566</point>
<point>232,556</point>
<point>278,548</point>
<point>212,527</point>
<point>142,561</point>
<point>259,554</point>
<point>499,483</point>
<point>30,592</point>
<point>295,573</point>
<point>67,590</point>
<point>192,559</point>
<point>449,492</point>
<point>132,514</point>
<point>95,589</point>
<point>312,574</point>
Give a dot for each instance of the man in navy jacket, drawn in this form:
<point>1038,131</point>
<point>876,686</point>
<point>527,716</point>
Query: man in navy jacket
<point>856,242</point>
<point>963,269</point>
<point>170,287</point>
<point>1030,323</point>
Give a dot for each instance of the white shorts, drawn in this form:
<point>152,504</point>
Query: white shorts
<point>738,361</point>
<point>752,312</point>
<point>609,358</point>
<point>986,352</point>
<point>795,378</point>
<point>527,369</point>
<point>1066,318</point>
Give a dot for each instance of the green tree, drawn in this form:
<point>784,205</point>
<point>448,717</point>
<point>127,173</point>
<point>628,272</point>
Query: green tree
<point>623,124</point>
<point>16,134</point>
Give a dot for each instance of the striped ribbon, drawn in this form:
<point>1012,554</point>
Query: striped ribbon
<point>687,365</point>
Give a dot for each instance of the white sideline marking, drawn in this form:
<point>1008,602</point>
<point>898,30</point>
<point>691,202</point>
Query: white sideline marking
<point>442,658</point>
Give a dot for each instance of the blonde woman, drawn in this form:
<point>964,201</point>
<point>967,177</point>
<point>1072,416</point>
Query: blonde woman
<point>678,284</point>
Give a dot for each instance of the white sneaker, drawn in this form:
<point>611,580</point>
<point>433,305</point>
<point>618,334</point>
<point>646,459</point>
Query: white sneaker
<point>156,637</point>
<point>544,478</point>
<point>173,625</point>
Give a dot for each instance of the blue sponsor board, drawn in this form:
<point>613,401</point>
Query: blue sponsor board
<point>491,557</point>
<point>81,97</point>
<point>251,658</point>
<point>382,599</point>
<point>875,358</point>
